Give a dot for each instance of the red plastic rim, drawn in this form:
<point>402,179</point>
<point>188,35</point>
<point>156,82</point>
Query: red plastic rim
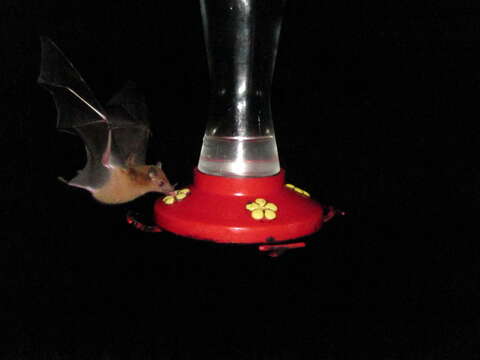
<point>215,209</point>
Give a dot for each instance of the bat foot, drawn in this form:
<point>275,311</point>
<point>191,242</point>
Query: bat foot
<point>63,180</point>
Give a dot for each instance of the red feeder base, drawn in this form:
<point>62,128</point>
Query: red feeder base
<point>242,211</point>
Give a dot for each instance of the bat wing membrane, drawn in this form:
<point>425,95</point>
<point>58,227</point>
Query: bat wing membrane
<point>77,109</point>
<point>128,117</point>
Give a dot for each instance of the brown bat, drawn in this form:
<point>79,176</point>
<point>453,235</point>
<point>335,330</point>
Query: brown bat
<point>115,137</point>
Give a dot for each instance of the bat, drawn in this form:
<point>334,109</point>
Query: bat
<point>115,137</point>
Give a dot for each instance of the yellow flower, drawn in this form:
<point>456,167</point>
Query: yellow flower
<point>179,196</point>
<point>297,189</point>
<point>262,209</point>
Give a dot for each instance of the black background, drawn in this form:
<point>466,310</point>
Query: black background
<point>376,111</point>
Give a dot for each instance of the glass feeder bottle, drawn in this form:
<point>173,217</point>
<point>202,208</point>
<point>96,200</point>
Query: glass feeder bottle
<point>241,38</point>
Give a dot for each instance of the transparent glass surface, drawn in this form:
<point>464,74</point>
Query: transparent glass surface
<point>232,156</point>
<point>241,38</point>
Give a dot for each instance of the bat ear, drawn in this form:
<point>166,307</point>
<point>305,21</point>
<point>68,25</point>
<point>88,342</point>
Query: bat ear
<point>155,176</point>
<point>159,165</point>
<point>152,172</point>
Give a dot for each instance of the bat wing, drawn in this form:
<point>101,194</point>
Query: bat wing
<point>128,117</point>
<point>78,110</point>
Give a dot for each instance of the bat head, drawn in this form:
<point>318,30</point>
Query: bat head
<point>159,180</point>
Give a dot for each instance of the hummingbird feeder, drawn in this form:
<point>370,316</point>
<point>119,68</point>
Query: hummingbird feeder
<point>239,194</point>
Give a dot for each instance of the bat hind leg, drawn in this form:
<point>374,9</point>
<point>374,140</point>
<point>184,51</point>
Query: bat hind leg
<point>74,184</point>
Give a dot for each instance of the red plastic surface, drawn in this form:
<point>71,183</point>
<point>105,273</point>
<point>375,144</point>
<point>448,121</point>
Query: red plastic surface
<point>215,210</point>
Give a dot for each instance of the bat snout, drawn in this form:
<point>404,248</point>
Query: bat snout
<point>164,187</point>
<point>167,188</point>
